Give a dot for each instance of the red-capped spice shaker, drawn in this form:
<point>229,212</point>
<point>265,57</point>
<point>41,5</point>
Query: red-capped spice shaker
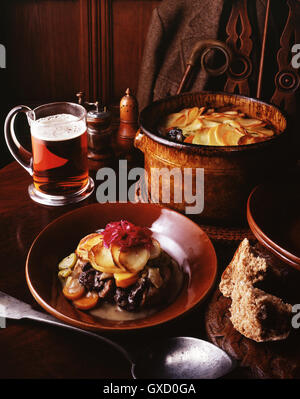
<point>99,131</point>
<point>128,116</point>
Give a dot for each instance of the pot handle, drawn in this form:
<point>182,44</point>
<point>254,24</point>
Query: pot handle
<point>139,140</point>
<point>201,50</point>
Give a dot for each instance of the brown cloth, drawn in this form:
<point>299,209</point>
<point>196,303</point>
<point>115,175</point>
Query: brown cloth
<point>175,27</point>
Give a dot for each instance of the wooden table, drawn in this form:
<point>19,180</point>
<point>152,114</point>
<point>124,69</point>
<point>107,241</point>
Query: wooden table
<point>32,350</point>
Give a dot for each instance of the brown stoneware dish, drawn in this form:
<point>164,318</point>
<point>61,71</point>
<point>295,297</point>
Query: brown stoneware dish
<point>178,236</point>
<point>230,172</point>
<point>273,213</point>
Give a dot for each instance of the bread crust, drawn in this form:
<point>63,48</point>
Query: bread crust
<point>256,314</point>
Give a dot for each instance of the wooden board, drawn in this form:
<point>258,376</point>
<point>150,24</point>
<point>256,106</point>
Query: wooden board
<point>279,359</point>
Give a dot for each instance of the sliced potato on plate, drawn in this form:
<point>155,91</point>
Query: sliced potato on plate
<point>101,259</point>
<point>86,243</point>
<point>135,259</point>
<point>115,252</point>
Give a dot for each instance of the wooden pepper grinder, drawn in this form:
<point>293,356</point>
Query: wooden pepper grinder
<point>128,116</point>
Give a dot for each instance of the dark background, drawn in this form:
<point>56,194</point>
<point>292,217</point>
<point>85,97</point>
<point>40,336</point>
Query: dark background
<point>56,48</point>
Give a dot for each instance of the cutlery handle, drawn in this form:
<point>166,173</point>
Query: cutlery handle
<point>46,318</point>
<point>13,308</point>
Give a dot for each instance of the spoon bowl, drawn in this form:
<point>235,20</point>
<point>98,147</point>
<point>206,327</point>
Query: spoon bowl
<point>182,358</point>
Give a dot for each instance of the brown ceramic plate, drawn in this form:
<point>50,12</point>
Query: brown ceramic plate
<point>179,236</point>
<point>273,213</point>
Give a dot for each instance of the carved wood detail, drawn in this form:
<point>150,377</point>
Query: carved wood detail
<point>287,79</point>
<point>241,44</point>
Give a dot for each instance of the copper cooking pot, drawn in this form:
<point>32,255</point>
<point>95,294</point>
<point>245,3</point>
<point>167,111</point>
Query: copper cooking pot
<point>230,172</point>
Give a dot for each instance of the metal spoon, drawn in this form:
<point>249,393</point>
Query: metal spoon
<point>174,358</point>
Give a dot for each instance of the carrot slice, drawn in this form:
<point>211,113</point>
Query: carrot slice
<point>87,302</point>
<point>73,293</point>
<point>189,139</point>
<point>124,280</point>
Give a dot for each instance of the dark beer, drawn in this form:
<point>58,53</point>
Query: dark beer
<point>59,146</point>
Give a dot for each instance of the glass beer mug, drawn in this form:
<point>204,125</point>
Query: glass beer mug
<point>58,163</point>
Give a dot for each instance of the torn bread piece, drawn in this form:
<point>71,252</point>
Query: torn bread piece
<point>256,314</point>
<point>245,266</point>
<point>259,316</point>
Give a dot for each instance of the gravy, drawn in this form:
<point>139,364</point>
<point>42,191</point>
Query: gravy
<point>110,311</point>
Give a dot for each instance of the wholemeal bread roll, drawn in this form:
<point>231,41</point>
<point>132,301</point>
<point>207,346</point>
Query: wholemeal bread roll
<point>245,266</point>
<point>256,314</point>
<point>259,316</point>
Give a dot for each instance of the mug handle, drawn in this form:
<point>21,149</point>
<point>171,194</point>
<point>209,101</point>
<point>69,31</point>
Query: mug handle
<point>20,154</point>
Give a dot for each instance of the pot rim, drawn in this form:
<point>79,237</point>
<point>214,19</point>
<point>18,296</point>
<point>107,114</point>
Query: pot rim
<point>210,148</point>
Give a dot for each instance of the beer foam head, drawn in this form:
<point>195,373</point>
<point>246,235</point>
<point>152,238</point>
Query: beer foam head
<point>57,127</point>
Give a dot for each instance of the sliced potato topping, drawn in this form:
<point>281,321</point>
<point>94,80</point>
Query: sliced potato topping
<point>219,128</point>
<point>101,259</point>
<point>113,260</point>
<point>86,243</point>
<point>115,252</point>
<point>134,259</point>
